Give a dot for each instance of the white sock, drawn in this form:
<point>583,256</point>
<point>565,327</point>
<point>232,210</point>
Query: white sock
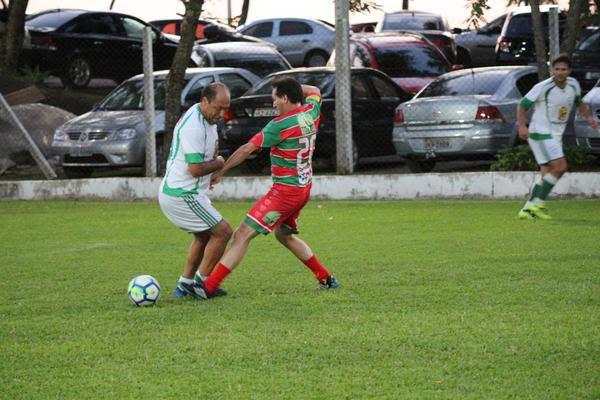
<point>186,280</point>
<point>551,179</point>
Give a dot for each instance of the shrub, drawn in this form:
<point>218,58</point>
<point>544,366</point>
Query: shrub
<point>520,158</point>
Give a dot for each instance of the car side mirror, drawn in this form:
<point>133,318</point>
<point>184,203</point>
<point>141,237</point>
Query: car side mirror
<point>457,31</point>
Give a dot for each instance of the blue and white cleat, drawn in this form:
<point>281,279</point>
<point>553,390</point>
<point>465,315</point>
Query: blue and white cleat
<point>329,283</point>
<point>178,293</point>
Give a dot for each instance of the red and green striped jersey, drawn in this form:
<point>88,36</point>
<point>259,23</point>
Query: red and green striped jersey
<point>291,138</point>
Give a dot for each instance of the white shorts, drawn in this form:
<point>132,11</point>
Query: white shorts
<point>546,150</point>
<point>192,213</point>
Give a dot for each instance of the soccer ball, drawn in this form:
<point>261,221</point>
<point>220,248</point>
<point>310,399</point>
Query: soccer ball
<point>143,290</point>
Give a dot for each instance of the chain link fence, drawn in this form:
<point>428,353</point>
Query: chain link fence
<point>400,101</point>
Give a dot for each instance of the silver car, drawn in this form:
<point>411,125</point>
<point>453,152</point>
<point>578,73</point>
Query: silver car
<point>112,134</point>
<point>462,114</point>
<point>304,42</point>
<point>585,136</point>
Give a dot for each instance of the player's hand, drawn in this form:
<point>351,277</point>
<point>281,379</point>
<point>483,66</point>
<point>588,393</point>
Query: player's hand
<point>221,161</point>
<point>594,124</point>
<point>523,132</point>
<point>214,180</point>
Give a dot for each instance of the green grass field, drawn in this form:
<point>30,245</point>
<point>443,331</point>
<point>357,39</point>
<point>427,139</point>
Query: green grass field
<point>440,299</point>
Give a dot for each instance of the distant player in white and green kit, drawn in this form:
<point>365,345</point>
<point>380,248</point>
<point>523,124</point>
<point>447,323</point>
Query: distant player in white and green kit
<point>182,195</point>
<point>552,101</point>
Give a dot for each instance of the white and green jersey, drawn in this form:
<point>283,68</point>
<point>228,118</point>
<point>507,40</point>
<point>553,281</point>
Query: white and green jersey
<point>194,141</point>
<point>552,106</point>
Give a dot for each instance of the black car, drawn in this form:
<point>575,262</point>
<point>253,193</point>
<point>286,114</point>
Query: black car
<point>261,59</point>
<point>79,45</point>
<point>374,100</point>
<point>207,31</point>
<point>586,62</point>
<point>515,45</point>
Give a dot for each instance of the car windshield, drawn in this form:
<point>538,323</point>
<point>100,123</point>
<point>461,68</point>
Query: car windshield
<point>414,61</point>
<point>51,19</point>
<point>323,80</point>
<point>130,96</point>
<point>412,22</point>
<point>475,83</point>
<point>521,25</point>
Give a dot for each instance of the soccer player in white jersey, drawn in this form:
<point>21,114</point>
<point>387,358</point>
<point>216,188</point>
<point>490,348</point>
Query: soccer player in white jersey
<point>552,101</point>
<point>182,196</point>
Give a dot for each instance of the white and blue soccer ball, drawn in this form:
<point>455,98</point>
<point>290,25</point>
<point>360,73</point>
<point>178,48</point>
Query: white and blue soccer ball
<point>143,290</point>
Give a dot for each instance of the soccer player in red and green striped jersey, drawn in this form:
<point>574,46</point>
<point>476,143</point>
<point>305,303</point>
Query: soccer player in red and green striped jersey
<point>291,138</point>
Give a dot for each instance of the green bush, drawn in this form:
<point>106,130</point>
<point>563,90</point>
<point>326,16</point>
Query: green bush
<point>520,158</point>
<point>34,75</point>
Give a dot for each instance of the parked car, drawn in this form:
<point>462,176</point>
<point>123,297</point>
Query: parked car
<point>261,59</point>
<point>305,42</point>
<point>463,114</point>
<point>79,45</point>
<point>586,61</point>
<point>433,26</point>
<point>409,58</point>
<point>207,31</point>
<point>363,27</point>
<point>477,48</point>
<point>587,138</point>
<point>112,134</point>
<point>374,99</point>
<point>515,45</point>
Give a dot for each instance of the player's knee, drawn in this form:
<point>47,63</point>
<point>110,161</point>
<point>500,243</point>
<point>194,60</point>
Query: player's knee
<point>222,230</point>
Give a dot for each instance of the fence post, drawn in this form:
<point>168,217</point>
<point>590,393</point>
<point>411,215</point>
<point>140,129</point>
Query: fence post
<point>33,149</point>
<point>553,35</point>
<point>149,105</point>
<point>343,102</point>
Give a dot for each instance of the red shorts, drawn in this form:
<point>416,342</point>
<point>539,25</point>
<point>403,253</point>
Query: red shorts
<point>280,206</point>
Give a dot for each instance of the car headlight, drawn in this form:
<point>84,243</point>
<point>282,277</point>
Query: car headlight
<point>60,134</point>
<point>125,134</point>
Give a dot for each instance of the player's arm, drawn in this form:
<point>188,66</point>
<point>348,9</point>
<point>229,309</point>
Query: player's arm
<point>522,122</point>
<point>238,157</point>
<point>585,111</point>
<point>308,90</point>
<point>207,167</point>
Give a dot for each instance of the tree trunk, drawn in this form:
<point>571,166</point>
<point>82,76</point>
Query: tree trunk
<point>573,26</point>
<point>175,78</point>
<point>540,44</point>
<point>244,14</point>
<point>13,36</point>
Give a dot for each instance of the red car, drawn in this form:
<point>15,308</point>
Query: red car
<point>409,58</point>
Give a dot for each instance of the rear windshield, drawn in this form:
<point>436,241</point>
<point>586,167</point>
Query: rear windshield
<point>51,19</point>
<point>323,80</point>
<point>130,96</point>
<point>412,23</point>
<point>478,83</point>
<point>417,61</point>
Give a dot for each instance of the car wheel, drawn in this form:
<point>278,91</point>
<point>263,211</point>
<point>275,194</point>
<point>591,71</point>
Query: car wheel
<point>463,57</point>
<point>418,166</point>
<point>78,172</point>
<point>316,58</point>
<point>77,73</point>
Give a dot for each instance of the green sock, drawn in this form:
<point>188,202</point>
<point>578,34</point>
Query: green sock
<point>547,184</point>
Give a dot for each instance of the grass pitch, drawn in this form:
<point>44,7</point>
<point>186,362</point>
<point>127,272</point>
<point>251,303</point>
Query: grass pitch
<point>439,299</point>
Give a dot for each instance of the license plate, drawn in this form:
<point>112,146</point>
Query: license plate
<point>80,153</point>
<point>265,112</point>
<point>437,144</point>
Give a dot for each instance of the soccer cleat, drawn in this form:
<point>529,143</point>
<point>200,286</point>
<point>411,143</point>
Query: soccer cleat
<point>329,283</point>
<point>179,292</point>
<point>526,214</point>
<point>540,211</point>
<point>196,290</point>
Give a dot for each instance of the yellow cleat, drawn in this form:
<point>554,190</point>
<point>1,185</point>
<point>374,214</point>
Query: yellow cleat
<point>540,212</point>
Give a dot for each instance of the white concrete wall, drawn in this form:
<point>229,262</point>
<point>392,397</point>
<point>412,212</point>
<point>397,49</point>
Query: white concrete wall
<point>480,185</point>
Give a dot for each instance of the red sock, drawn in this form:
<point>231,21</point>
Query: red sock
<point>216,277</point>
<point>317,268</point>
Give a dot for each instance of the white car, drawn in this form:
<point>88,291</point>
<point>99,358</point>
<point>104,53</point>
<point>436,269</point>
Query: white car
<point>586,137</point>
<point>304,42</point>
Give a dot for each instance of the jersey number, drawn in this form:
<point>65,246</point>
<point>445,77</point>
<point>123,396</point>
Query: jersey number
<point>308,144</point>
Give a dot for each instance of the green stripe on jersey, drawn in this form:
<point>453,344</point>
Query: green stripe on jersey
<point>194,158</point>
<point>526,103</point>
<point>278,161</point>
<point>289,180</point>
